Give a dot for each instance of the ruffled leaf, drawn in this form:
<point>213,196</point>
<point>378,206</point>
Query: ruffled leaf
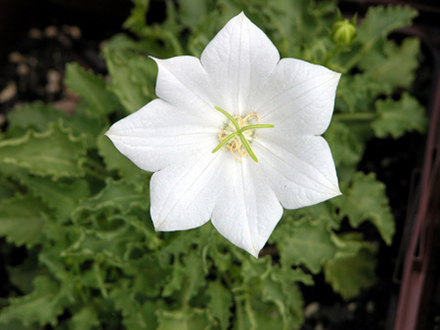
<point>353,268</point>
<point>381,21</point>
<point>90,87</point>
<point>22,220</point>
<point>304,242</point>
<point>185,318</point>
<point>132,77</point>
<point>54,153</point>
<point>43,305</point>
<point>365,199</point>
<point>395,118</point>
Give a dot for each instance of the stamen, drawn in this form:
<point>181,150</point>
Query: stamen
<point>238,137</point>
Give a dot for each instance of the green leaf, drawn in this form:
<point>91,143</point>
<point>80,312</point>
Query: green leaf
<point>55,153</point>
<point>136,22</point>
<point>380,21</point>
<point>356,94</point>
<point>114,160</point>
<point>191,11</point>
<point>90,87</point>
<point>38,117</point>
<point>132,77</point>
<point>85,319</point>
<point>149,275</point>
<point>304,242</point>
<point>350,273</point>
<point>184,319</point>
<point>136,316</point>
<point>346,147</point>
<point>63,197</point>
<point>7,189</point>
<point>118,195</point>
<point>395,118</point>
<point>187,277</point>
<point>22,220</point>
<point>43,305</point>
<point>17,325</point>
<point>22,275</point>
<point>289,303</point>
<point>396,66</point>
<point>220,303</point>
<point>365,199</point>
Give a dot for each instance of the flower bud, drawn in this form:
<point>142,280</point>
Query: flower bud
<point>344,32</point>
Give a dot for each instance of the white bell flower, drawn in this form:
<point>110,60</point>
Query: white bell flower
<point>234,137</point>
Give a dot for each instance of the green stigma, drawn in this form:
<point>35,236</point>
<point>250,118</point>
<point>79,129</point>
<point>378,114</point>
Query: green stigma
<point>234,141</point>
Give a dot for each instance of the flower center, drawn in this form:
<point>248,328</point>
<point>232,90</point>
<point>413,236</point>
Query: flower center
<point>238,133</point>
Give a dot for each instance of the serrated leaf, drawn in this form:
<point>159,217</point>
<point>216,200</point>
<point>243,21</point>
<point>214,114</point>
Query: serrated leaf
<point>16,325</point>
<point>254,314</point>
<point>365,199</point>
<point>187,277</point>
<point>63,197</point>
<point>381,21</point>
<point>346,147</point>
<point>304,242</point>
<point>395,118</point>
<point>184,319</point>
<point>22,276</point>
<point>22,220</point>
<point>136,22</point>
<point>281,289</point>
<point>114,160</point>
<point>43,305</point>
<point>90,87</point>
<point>349,273</point>
<point>118,195</point>
<point>220,303</point>
<point>396,65</point>
<point>357,93</point>
<point>132,77</point>
<point>149,275</point>
<point>324,212</point>
<point>55,152</point>
<point>7,190</point>
<point>146,318</point>
<point>269,297</point>
<point>191,11</point>
<point>85,319</point>
<point>38,116</point>
<point>136,316</point>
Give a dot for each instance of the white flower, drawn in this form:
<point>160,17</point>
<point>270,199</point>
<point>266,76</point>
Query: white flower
<point>280,109</point>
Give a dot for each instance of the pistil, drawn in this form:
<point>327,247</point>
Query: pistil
<point>236,140</point>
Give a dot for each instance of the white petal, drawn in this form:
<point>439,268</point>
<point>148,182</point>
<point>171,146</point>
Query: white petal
<point>238,60</point>
<point>301,171</point>
<point>299,97</point>
<point>183,195</point>
<point>159,135</point>
<point>183,82</point>
<point>247,210</point>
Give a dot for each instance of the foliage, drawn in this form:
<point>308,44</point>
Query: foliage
<point>81,208</point>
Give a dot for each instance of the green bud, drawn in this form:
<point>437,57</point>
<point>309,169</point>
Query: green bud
<point>344,32</point>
